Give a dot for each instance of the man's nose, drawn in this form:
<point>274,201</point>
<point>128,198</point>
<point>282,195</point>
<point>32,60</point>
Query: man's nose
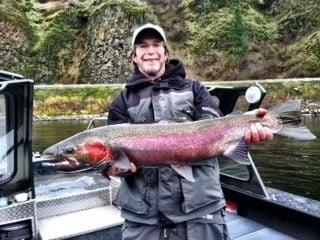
<point>151,50</point>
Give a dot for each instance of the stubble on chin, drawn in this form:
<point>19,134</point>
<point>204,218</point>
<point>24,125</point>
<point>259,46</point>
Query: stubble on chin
<point>152,73</point>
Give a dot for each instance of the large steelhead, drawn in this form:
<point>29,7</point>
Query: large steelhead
<point>174,144</point>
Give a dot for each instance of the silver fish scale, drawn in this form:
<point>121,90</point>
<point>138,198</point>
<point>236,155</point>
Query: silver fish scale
<point>108,133</point>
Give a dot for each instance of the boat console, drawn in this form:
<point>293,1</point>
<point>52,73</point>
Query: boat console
<point>17,204</point>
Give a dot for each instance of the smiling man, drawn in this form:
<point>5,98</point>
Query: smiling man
<point>150,54</point>
<point>158,203</point>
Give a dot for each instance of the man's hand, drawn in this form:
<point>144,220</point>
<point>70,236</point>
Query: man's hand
<point>257,132</point>
<point>113,171</point>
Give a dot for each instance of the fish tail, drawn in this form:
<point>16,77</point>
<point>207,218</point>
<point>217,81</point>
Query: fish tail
<point>289,117</point>
<point>287,112</point>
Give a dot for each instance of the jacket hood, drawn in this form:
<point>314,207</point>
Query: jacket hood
<point>174,72</point>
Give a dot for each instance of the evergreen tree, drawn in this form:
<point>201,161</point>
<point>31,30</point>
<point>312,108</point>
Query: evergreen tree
<point>238,30</point>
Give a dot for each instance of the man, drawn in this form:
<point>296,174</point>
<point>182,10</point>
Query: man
<point>157,203</point>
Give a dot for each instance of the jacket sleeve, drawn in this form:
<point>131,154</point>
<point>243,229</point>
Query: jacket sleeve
<point>118,111</point>
<point>203,102</point>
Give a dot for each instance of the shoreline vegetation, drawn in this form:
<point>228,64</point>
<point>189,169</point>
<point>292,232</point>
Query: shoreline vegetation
<point>80,102</point>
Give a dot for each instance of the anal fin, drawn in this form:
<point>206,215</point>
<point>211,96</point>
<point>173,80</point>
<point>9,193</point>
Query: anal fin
<point>238,152</point>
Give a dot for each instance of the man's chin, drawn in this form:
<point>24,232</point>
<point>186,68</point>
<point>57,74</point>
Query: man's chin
<point>152,72</point>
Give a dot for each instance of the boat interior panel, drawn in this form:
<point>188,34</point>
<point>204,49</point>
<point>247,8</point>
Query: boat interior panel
<point>241,228</point>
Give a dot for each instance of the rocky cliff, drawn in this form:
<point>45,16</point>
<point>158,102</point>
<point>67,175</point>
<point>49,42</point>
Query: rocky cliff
<point>88,41</point>
<point>69,41</point>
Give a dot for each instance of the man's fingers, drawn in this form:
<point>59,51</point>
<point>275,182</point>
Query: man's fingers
<point>254,133</point>
<point>113,171</point>
<point>269,133</point>
<point>247,137</point>
<point>257,133</point>
<point>261,132</point>
<point>133,167</point>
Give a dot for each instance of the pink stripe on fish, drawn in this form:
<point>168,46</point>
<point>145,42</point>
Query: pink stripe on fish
<point>171,149</point>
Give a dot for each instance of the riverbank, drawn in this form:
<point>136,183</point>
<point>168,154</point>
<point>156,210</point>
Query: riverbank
<point>309,109</point>
<point>67,118</point>
<point>64,102</point>
<point>312,108</point>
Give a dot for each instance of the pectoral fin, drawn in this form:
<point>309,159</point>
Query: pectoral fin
<point>184,171</point>
<point>238,152</point>
<point>121,160</point>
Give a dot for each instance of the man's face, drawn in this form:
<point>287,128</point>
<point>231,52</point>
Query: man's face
<point>150,57</point>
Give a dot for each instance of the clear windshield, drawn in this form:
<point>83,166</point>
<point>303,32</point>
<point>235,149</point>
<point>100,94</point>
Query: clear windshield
<point>6,144</point>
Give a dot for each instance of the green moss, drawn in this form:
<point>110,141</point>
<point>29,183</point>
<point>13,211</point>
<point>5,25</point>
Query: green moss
<point>133,8</point>
<point>297,18</point>
<point>312,53</point>
<point>231,29</point>
<point>12,12</point>
<point>260,27</point>
<point>130,7</point>
<point>55,41</point>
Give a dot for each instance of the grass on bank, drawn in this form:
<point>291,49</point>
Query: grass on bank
<point>71,100</point>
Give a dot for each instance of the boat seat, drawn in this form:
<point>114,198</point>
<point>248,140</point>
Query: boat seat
<point>241,228</point>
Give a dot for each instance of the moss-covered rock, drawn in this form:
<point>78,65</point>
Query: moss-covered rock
<point>230,40</point>
<point>296,19</point>
<point>71,41</point>
<point>108,34</point>
<point>16,37</point>
<point>312,53</point>
<point>88,41</point>
<point>55,44</point>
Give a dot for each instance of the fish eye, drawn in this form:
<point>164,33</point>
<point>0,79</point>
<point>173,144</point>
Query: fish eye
<point>68,150</point>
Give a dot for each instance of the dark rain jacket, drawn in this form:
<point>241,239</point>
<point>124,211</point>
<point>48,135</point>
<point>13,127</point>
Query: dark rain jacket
<point>154,192</point>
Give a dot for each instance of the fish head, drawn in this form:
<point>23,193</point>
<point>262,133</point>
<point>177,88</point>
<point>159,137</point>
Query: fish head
<point>71,156</point>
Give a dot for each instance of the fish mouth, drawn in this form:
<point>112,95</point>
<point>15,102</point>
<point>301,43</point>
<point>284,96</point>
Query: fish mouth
<point>58,163</point>
<point>60,158</point>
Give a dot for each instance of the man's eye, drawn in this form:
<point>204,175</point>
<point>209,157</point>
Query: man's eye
<point>143,46</point>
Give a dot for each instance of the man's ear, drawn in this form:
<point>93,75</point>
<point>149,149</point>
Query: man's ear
<point>167,56</point>
<point>134,59</point>
<point>133,56</point>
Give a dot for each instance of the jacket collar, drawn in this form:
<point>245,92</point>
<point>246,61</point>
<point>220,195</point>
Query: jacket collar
<point>174,77</point>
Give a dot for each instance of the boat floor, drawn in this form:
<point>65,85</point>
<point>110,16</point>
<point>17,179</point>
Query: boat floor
<point>83,224</point>
<point>241,228</point>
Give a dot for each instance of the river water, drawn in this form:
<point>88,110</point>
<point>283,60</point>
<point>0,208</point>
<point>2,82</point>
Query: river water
<point>285,164</point>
